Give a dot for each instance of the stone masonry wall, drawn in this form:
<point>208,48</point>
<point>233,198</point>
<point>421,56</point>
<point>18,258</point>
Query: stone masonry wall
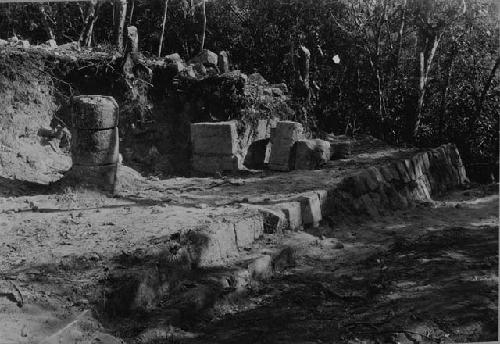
<point>369,192</point>
<point>399,184</point>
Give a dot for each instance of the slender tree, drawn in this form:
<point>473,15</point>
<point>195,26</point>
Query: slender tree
<point>85,39</point>
<point>204,24</point>
<point>429,34</point>
<point>163,27</point>
<point>120,13</point>
<point>46,23</point>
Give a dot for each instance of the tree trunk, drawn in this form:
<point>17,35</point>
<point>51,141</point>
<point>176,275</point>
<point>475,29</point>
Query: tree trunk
<point>46,24</point>
<point>400,35</point>
<point>204,25</point>
<point>120,15</point>
<point>426,50</point>
<point>482,97</point>
<point>428,38</point>
<point>163,27</point>
<point>85,39</point>
<point>131,15</point>
<point>304,62</point>
<point>443,110</point>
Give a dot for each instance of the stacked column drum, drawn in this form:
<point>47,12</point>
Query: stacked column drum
<point>95,140</point>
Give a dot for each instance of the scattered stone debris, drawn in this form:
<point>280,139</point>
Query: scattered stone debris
<point>311,154</point>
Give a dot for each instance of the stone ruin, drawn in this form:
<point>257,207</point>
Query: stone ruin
<point>95,140</point>
<point>235,138</point>
<point>279,145</point>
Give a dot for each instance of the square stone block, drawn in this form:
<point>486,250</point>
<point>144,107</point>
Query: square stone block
<point>285,136</point>
<point>214,138</point>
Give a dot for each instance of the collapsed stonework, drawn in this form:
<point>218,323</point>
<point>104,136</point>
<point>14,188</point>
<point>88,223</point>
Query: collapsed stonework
<point>202,90</point>
<point>278,145</point>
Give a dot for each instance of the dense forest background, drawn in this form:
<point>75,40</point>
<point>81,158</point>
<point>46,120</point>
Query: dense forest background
<point>423,72</point>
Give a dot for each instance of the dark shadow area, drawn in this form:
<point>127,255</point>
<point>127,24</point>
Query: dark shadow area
<point>429,286</point>
<point>15,187</point>
<point>158,282</point>
<point>440,288</point>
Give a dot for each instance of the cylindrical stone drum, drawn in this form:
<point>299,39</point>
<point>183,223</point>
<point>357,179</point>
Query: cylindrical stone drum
<point>95,140</point>
<point>94,112</point>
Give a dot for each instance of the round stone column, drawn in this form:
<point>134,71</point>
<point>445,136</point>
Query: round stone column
<point>95,140</point>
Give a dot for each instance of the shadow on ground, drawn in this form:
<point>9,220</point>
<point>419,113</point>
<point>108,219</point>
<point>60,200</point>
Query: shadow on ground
<point>436,286</point>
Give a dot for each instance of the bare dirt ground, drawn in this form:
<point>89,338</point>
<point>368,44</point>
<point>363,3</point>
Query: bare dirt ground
<point>426,275</point>
<point>429,274</point>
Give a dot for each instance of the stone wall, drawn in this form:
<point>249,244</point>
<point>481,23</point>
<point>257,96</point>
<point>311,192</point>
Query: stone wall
<point>372,191</point>
<point>399,184</point>
<point>368,193</point>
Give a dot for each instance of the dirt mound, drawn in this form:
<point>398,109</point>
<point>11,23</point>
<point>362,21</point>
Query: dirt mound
<point>29,148</point>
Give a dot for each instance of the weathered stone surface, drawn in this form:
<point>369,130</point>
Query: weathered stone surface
<point>214,138</point>
<point>247,230</point>
<point>311,209</point>
<point>215,147</point>
<point>91,147</point>
<point>418,165</point>
<point>311,154</point>
<point>251,132</point>
<point>410,168</point>
<point>293,212</point>
<point>323,199</point>
<point>94,112</point>
<point>216,163</point>
<point>212,244</point>
<point>223,62</point>
<point>286,134</point>
<point>206,57</point>
<point>403,173</point>
<point>340,146</point>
